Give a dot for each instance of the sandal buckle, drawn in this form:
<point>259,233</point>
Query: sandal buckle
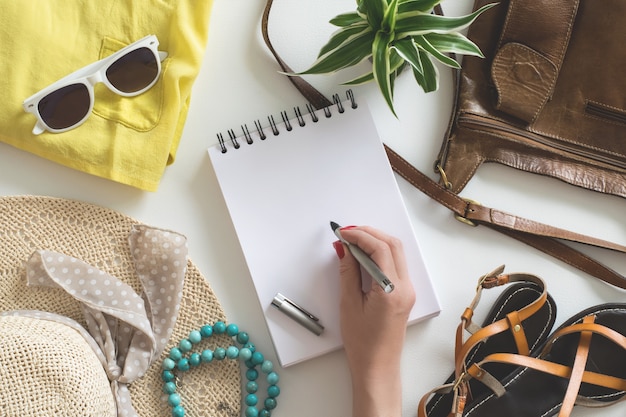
<point>490,280</point>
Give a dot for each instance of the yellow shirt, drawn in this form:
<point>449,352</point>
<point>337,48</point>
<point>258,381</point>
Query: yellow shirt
<point>129,140</point>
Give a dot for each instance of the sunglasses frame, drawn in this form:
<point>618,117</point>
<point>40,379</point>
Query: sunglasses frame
<point>89,76</point>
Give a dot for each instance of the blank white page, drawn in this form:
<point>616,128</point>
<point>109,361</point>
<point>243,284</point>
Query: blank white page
<point>282,193</point>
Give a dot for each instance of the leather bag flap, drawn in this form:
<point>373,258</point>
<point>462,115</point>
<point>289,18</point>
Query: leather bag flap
<point>531,50</point>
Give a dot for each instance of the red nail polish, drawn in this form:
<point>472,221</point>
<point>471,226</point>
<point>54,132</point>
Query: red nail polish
<point>347,227</point>
<point>339,249</point>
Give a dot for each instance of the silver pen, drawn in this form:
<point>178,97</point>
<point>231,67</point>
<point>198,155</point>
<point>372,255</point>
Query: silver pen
<point>366,262</point>
<point>297,313</point>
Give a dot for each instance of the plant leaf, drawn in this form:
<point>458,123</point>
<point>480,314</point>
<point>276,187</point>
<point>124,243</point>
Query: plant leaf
<point>347,19</point>
<point>453,42</point>
<point>366,78</point>
<point>389,19</point>
<point>342,35</point>
<point>409,24</point>
<point>351,52</point>
<point>395,63</point>
<point>429,78</point>
<point>424,6</point>
<point>406,49</point>
<point>375,11</point>
<point>381,66</point>
<point>423,43</point>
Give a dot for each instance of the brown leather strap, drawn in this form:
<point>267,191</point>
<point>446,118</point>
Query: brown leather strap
<point>508,323</point>
<point>541,236</point>
<point>317,99</point>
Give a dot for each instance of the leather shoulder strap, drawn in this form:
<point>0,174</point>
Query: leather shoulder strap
<point>541,236</point>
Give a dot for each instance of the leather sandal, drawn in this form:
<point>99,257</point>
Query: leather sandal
<point>581,363</point>
<point>519,322</point>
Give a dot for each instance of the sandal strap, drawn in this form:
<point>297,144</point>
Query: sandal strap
<point>512,322</point>
<point>576,374</point>
<point>578,369</point>
<point>459,390</point>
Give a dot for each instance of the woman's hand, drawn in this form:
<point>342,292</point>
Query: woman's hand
<point>373,324</point>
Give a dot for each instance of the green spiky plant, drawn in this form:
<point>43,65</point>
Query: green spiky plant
<point>393,35</point>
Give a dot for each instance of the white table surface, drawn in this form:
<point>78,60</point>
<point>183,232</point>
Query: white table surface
<point>239,83</point>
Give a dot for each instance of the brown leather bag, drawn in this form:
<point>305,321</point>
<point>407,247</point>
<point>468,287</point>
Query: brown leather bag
<point>467,146</point>
<point>548,98</point>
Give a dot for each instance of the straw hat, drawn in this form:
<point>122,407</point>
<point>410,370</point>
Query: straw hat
<point>48,339</point>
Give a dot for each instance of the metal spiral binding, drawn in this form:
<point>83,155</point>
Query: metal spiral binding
<point>299,117</point>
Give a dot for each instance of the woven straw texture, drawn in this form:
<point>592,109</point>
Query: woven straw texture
<point>68,378</point>
<point>99,236</point>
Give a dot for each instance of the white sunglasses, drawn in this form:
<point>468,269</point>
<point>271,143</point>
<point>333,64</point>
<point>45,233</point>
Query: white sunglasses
<point>68,102</point>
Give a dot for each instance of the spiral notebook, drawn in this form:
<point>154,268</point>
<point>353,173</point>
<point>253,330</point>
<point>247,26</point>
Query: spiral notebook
<point>283,184</point>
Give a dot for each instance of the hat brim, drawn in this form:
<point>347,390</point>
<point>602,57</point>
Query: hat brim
<point>99,236</point>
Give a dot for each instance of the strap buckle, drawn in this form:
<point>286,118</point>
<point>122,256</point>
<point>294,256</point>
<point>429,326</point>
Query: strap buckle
<point>460,380</point>
<point>463,218</point>
<point>487,280</point>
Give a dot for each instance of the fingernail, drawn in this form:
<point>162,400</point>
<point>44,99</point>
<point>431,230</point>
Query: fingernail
<point>339,249</point>
<point>347,227</point>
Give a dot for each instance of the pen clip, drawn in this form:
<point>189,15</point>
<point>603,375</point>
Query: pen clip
<point>303,310</point>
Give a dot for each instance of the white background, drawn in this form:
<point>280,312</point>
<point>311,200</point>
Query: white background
<point>239,83</point>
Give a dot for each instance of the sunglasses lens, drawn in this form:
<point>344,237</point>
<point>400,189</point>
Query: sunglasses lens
<point>134,71</point>
<point>65,107</point>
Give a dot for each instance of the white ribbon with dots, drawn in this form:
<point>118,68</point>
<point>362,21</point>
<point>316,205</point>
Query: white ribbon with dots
<point>130,330</point>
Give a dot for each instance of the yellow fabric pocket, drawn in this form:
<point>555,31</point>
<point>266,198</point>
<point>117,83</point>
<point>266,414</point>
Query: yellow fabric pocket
<point>141,113</point>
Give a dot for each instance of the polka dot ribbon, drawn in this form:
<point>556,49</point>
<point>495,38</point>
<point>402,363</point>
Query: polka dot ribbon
<point>130,329</point>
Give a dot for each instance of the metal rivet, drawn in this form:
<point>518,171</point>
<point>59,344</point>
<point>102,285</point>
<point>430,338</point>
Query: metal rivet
<point>517,328</point>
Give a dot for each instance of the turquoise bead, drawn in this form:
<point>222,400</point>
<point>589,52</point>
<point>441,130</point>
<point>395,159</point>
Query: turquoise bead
<point>273,391</point>
<point>184,345</point>
<point>176,354</point>
<point>245,354</point>
<point>168,376</point>
<point>257,358</point>
<point>251,399</point>
<point>267,367</point>
<point>178,411</point>
<point>173,399</point>
<point>183,365</point>
<point>252,387</point>
<point>272,378</point>
<point>168,364</point>
<point>219,353</point>
<point>252,374</point>
<point>182,359</point>
<point>219,327</point>
<point>270,403</point>
<point>169,388</point>
<point>252,412</point>
<point>206,331</point>
<point>195,337</point>
<point>232,329</point>
<point>194,359</point>
<point>232,352</point>
<point>243,338</point>
<point>207,355</point>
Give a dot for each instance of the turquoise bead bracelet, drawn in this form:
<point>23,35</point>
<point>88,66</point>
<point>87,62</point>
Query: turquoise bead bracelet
<point>181,359</point>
